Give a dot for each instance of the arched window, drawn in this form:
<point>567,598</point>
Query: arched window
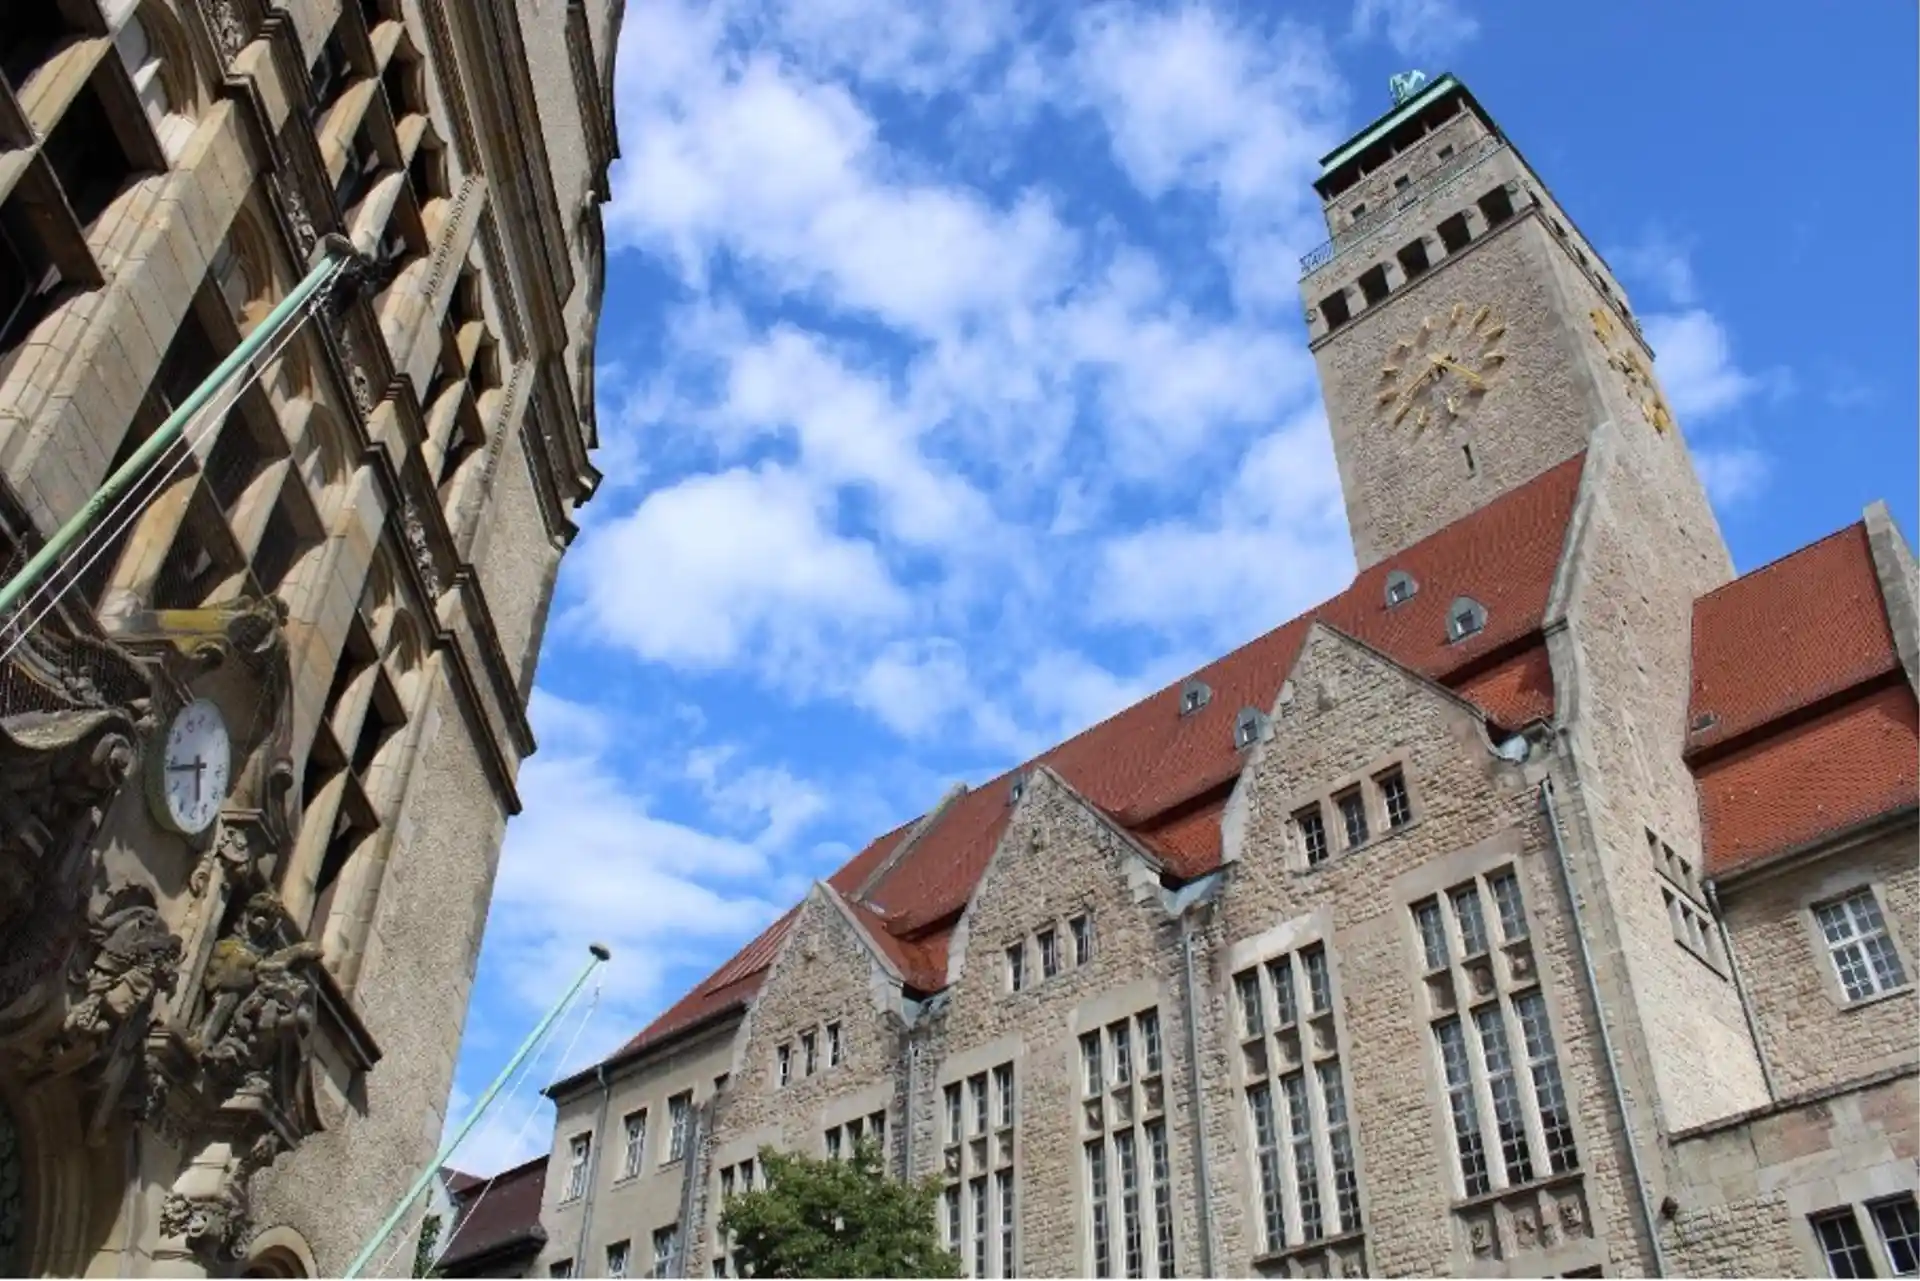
<point>1465,617</point>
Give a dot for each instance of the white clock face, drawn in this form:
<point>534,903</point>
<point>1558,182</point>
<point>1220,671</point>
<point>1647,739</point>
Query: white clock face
<point>193,767</point>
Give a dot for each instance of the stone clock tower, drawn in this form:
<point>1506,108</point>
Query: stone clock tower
<point>1468,336</point>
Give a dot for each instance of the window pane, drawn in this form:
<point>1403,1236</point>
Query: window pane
<point>1841,1242</point>
<point>1898,1222</point>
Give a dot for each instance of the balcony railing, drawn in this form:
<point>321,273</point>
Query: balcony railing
<point>1377,220</point>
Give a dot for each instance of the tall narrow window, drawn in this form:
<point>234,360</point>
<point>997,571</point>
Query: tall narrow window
<point>979,1173</point>
<point>1101,1221</point>
<point>1246,992</point>
<point>1017,966</point>
<point>666,1244</point>
<point>1082,930</point>
<point>1466,1116</point>
<point>1433,934</point>
<point>635,1154</point>
<point>679,1115</point>
<point>809,1053</point>
<point>1049,953</point>
<point>1346,1181</point>
<point>617,1254</point>
<point>1313,834</point>
<point>1156,1132</point>
<point>784,1058</point>
<point>1306,1170</point>
<point>1127,1155</point>
<point>1003,1196</point>
<point>578,1154</point>
<point>1319,982</point>
<point>834,1047</point>
<point>1266,1140</point>
<point>1353,816</point>
<point>1394,797</point>
<point>1531,1122</point>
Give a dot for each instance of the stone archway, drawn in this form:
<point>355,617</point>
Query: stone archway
<point>279,1251</point>
<point>58,1194</point>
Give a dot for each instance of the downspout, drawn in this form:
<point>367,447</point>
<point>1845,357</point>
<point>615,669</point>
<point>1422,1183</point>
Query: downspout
<point>1740,991</point>
<point>694,1177</point>
<point>1606,1037</point>
<point>907,1111</point>
<point>1204,1210</point>
<point>580,1268</point>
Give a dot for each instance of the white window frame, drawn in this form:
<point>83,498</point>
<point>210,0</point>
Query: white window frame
<point>579,1163</point>
<point>633,1160</point>
<point>679,1121</point>
<point>1844,910</point>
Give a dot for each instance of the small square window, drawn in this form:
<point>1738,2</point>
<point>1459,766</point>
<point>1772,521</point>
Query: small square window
<point>1353,817</point>
<point>1445,153</point>
<point>1313,834</point>
<point>1373,284</point>
<point>1403,182</point>
<point>1334,307</point>
<point>1454,233</point>
<point>1413,259</point>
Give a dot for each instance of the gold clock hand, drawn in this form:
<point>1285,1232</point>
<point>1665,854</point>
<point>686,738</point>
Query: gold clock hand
<point>1463,371</point>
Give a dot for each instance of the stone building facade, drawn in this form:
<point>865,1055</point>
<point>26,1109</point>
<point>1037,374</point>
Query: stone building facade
<point>256,761</point>
<point>1543,904</point>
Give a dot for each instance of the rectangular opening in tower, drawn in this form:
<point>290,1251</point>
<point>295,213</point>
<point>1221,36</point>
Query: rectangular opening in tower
<point>1373,284</point>
<point>1413,259</point>
<point>1454,233</point>
<point>1496,206</point>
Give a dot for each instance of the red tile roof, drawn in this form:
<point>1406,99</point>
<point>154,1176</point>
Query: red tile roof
<point>1167,776</point>
<point>497,1214</point>
<point>1812,727</point>
<point>1813,779</point>
<point>1788,635</point>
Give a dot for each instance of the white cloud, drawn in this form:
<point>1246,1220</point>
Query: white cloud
<point>1664,264</point>
<point>1732,474</point>
<point>1416,28</point>
<point>717,563</point>
<point>1694,358</point>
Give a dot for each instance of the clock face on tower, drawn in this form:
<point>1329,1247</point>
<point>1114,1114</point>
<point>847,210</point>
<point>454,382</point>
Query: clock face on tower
<point>1442,371</point>
<point>1625,360</point>
<point>188,778</point>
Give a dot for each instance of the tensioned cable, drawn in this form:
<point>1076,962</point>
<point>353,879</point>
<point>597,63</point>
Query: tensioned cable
<point>47,594</point>
<point>401,1239</point>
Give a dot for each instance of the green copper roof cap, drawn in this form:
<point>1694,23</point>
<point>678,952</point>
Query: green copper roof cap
<point>1412,91</point>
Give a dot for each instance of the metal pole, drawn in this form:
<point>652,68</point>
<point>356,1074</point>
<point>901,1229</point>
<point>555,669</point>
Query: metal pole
<point>170,430</point>
<point>360,1261</point>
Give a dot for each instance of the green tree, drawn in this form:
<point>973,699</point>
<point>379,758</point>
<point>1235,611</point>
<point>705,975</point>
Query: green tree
<point>818,1218</point>
<point>423,1252</point>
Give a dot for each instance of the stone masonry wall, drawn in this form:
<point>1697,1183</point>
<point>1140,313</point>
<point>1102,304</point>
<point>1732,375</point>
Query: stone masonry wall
<point>1813,1038</point>
<point>1743,1190</point>
<point>1402,484</point>
<point>1350,715</point>
<point>413,993</point>
<point>825,972</point>
<point>1057,859</point>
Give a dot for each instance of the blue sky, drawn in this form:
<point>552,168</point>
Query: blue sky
<point>954,393</point>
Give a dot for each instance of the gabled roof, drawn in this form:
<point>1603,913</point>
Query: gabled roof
<point>497,1215</point>
<point>1806,723</point>
<point>1166,777</point>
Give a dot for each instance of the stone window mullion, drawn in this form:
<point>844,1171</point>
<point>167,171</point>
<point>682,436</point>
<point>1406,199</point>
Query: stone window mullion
<point>1483,1104</point>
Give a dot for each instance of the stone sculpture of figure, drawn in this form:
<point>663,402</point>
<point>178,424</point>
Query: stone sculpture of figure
<point>134,960</point>
<point>254,994</point>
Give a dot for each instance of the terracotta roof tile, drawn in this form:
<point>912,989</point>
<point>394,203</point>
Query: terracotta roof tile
<point>1147,760</point>
<point>732,984</point>
<point>498,1213</point>
<point>1149,757</point>
<point>1788,635</point>
<point>1816,778</point>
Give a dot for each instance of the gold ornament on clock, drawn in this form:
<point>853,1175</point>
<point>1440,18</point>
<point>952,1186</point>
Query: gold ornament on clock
<point>1624,358</point>
<point>1441,371</point>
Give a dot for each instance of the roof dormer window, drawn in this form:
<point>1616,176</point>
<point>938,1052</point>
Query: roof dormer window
<point>1194,695</point>
<point>1249,727</point>
<point>1400,588</point>
<point>1466,617</point>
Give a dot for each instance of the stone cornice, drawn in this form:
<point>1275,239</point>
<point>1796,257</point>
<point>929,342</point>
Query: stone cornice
<point>595,99</point>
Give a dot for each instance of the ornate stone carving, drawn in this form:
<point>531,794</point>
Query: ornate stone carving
<point>215,1222</point>
<point>134,961</point>
<point>229,32</point>
<point>1480,1235</point>
<point>260,1003</point>
<point>305,235</point>
<point>1573,1217</point>
<point>59,771</point>
<point>414,526</point>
